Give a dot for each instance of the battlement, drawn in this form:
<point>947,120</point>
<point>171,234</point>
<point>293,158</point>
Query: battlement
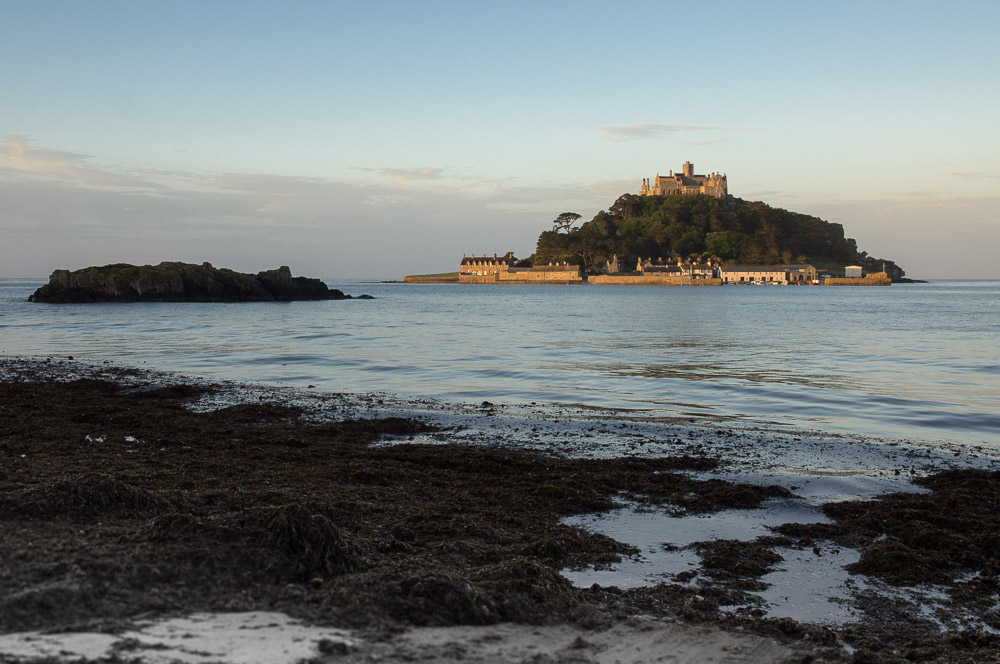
<point>686,182</point>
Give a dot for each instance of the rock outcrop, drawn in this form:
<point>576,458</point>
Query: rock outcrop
<point>179,282</point>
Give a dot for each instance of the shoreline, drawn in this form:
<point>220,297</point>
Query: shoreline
<point>411,511</point>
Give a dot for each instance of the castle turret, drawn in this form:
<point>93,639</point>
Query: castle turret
<point>688,169</point>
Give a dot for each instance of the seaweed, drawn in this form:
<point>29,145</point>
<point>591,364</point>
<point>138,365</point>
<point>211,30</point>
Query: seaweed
<point>738,564</point>
<point>86,496</point>
<point>908,539</point>
<point>257,504</point>
<point>318,546</point>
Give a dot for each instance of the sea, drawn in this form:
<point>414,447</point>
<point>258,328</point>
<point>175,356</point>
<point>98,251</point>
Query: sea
<point>911,361</point>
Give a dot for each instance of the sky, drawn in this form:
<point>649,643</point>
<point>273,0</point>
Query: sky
<point>378,139</point>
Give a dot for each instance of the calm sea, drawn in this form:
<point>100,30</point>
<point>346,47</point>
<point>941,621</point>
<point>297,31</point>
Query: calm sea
<point>915,361</point>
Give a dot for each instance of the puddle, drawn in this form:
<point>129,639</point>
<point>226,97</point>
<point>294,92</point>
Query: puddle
<point>202,638</point>
<point>813,588</point>
<point>816,486</point>
<point>806,586</point>
<point>649,531</point>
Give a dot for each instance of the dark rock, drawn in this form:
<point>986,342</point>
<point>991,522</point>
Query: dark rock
<point>179,282</point>
<point>284,286</point>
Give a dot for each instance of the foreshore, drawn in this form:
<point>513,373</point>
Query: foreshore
<point>130,496</point>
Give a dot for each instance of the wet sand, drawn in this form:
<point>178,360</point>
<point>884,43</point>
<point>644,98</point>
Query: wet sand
<point>130,496</point>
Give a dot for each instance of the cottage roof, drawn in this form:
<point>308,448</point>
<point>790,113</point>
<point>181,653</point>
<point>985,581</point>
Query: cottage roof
<point>753,268</point>
<point>469,260</point>
<point>547,268</point>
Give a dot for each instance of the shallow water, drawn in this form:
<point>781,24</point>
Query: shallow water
<point>664,540</point>
<point>916,361</point>
<point>808,585</point>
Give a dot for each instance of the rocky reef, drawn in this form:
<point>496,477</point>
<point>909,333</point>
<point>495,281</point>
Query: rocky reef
<point>180,282</point>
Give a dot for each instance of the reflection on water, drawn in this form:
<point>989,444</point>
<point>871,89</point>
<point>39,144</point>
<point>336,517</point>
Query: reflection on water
<point>917,361</point>
<point>720,371</point>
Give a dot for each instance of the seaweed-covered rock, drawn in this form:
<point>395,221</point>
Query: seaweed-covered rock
<point>179,282</point>
<point>86,496</point>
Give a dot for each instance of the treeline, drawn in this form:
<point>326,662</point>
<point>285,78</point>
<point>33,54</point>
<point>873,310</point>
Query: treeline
<point>733,230</point>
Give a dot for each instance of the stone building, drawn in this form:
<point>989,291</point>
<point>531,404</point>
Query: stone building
<point>801,274</point>
<point>769,274</point>
<point>484,265</point>
<point>686,182</point>
<point>500,270</point>
<point>678,267</point>
<point>661,272</point>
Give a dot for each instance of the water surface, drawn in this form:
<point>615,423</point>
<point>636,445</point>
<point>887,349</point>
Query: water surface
<point>918,361</point>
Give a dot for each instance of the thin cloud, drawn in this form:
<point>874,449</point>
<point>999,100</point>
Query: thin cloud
<point>645,131</point>
<point>409,175</point>
<point>19,155</point>
<point>977,175</point>
<point>709,141</point>
<point>760,195</point>
<point>264,183</point>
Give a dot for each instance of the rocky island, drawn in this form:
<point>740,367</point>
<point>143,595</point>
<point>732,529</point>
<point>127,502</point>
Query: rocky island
<point>684,229</point>
<point>180,282</point>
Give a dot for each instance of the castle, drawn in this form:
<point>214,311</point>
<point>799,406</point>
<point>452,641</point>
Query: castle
<point>713,184</point>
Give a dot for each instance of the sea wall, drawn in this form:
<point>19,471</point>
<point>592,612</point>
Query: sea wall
<point>650,280</point>
<point>491,279</point>
<point>532,277</point>
<point>858,281</point>
<point>418,279</point>
<point>523,276</point>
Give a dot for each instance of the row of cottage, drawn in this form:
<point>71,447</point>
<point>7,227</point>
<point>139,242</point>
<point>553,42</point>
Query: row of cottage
<point>657,271</point>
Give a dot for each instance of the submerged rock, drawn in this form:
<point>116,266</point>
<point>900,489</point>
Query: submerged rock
<point>179,282</point>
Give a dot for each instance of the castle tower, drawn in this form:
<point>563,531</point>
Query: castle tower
<point>688,169</point>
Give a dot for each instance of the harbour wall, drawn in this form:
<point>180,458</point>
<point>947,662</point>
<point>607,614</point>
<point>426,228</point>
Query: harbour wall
<point>858,281</point>
<point>650,280</point>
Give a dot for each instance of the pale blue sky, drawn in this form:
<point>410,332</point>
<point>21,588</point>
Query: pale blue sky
<point>381,138</point>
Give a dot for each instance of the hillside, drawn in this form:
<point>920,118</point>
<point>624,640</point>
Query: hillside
<point>734,230</point>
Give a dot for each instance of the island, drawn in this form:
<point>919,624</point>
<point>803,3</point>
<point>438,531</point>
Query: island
<point>684,229</point>
<point>181,282</point>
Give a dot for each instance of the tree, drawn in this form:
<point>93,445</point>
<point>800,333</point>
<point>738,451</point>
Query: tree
<point>724,244</point>
<point>737,231</point>
<point>589,243</point>
<point>626,206</point>
<point>565,221</point>
<point>552,247</point>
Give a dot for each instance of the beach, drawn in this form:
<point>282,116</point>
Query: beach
<point>132,496</point>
